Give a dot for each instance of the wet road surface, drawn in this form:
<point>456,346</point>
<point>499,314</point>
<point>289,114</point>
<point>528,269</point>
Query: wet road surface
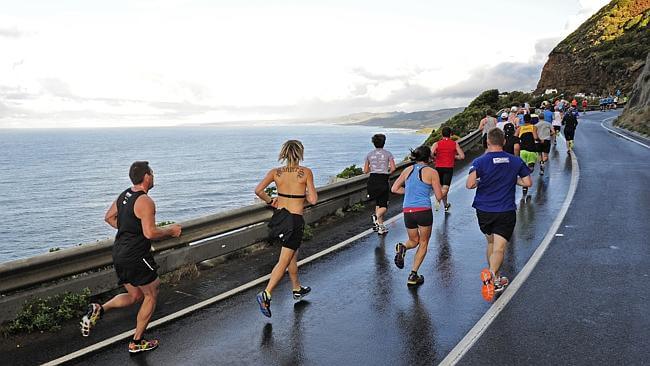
<point>586,302</point>
<point>360,310</point>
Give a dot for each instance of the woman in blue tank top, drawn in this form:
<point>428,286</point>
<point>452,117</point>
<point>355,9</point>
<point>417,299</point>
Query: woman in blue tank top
<point>416,184</point>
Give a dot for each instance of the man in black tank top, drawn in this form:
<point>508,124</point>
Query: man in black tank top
<point>133,215</point>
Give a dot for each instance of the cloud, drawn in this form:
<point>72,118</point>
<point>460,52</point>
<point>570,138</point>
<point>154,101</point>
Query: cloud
<point>11,32</point>
<point>506,76</point>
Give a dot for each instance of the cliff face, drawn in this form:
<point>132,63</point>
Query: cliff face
<point>636,115</point>
<point>605,53</point>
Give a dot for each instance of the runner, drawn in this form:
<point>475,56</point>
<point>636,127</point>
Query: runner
<point>503,120</point>
<point>416,183</point>
<point>545,132</point>
<point>511,145</point>
<point>584,105</point>
<point>295,183</point>
<point>495,176</point>
<point>570,124</point>
<point>446,152</point>
<point>133,214</point>
<point>487,124</point>
<point>380,164</point>
<point>527,139</point>
<point>557,124</point>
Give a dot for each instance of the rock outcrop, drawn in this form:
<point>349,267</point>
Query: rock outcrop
<point>604,54</point>
<point>636,115</point>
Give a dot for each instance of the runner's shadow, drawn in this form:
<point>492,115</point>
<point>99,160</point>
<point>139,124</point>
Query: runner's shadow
<point>418,332</point>
<point>444,264</point>
<point>382,271</point>
<point>140,358</point>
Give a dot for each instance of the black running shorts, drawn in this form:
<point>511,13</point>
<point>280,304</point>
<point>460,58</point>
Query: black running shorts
<point>295,239</point>
<point>419,218</point>
<point>544,146</point>
<point>569,134</point>
<point>484,140</point>
<point>445,175</point>
<point>379,189</point>
<point>500,223</point>
<point>137,272</point>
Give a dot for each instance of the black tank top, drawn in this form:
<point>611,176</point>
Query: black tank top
<point>130,243</point>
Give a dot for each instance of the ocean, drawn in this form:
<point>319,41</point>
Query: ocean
<point>57,184</point>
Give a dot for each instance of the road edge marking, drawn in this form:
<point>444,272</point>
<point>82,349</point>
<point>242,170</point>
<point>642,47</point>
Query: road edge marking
<point>486,320</point>
<point>222,296</point>
<point>602,124</point>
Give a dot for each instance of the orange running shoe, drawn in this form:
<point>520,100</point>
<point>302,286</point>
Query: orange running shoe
<point>487,290</point>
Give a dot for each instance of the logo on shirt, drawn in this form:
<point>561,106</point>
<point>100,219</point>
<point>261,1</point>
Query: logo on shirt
<point>505,160</point>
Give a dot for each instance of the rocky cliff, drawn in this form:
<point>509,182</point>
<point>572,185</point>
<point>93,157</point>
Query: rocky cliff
<point>604,54</point>
<point>636,115</point>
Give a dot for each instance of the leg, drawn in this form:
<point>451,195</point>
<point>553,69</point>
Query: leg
<point>380,212</point>
<point>445,191</point>
<point>133,295</point>
<point>286,255</point>
<point>150,292</point>
<point>293,271</point>
<point>490,245</point>
<point>414,238</point>
<point>425,234</point>
<point>496,257</point>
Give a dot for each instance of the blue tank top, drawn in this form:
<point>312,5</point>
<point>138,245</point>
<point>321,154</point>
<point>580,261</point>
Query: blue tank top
<point>417,194</point>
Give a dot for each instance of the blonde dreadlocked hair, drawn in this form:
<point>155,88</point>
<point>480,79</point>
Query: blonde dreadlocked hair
<point>292,152</point>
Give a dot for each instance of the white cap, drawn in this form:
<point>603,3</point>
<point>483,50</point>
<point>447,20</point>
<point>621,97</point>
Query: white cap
<point>513,109</point>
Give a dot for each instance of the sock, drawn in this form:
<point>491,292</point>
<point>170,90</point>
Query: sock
<point>414,273</point>
<point>268,294</point>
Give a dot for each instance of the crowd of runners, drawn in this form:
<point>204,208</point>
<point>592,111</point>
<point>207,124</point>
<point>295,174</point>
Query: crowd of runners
<point>515,141</point>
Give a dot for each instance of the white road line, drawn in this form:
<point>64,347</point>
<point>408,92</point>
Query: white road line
<point>479,328</point>
<point>122,336</point>
<point>602,124</point>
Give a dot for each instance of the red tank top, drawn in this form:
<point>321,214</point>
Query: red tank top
<point>446,153</point>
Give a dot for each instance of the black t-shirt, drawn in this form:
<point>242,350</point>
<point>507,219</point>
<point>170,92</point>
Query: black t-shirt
<point>509,146</point>
<point>570,122</point>
<point>130,243</point>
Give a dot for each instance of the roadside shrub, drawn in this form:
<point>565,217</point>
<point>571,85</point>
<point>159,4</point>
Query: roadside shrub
<point>48,314</point>
<point>349,172</point>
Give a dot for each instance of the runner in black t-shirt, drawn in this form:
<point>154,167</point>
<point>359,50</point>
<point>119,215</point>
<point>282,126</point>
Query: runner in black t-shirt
<point>133,214</point>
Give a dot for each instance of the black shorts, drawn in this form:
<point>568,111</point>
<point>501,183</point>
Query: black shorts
<point>557,128</point>
<point>419,218</point>
<point>484,140</point>
<point>569,134</point>
<point>500,223</point>
<point>544,146</point>
<point>379,189</point>
<point>137,272</point>
<point>295,239</point>
<point>445,175</point>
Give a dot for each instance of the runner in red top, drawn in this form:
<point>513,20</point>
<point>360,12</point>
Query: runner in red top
<point>446,152</point>
<point>584,105</point>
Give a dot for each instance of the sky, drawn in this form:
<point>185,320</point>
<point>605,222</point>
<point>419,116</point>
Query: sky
<point>82,63</point>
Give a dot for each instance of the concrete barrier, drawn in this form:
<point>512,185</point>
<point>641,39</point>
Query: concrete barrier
<point>90,265</point>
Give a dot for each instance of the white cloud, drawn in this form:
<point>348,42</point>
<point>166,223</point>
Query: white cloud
<point>146,62</point>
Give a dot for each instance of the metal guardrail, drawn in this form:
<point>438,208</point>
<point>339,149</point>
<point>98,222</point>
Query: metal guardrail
<point>218,234</point>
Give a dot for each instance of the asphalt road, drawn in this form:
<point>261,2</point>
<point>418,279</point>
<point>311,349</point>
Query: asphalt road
<point>586,302</point>
<point>360,310</point>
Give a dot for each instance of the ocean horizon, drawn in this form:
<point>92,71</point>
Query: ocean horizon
<point>58,182</point>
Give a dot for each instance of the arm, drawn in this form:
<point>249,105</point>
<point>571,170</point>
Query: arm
<point>366,167</point>
<point>525,181</point>
<point>517,149</point>
<point>111,215</point>
<point>460,155</point>
<point>259,190</point>
<point>312,196</point>
<point>398,186</point>
<point>435,183</point>
<point>535,136</point>
<point>471,180</point>
<point>481,124</point>
<point>145,210</point>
